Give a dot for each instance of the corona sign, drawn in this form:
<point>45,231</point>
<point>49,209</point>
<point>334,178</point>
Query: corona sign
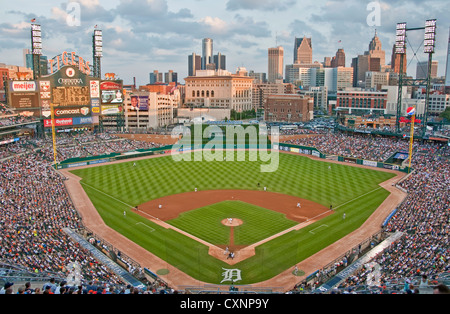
<point>69,59</point>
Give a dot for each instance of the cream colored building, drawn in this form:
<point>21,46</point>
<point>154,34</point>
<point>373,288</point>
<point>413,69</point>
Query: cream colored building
<point>159,112</point>
<point>275,64</point>
<point>219,89</point>
<point>376,79</point>
<point>262,90</point>
<point>343,76</point>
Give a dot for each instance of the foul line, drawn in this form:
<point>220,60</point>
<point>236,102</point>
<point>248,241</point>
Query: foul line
<point>117,199</point>
<point>326,226</point>
<point>107,194</point>
<point>141,223</point>
<point>358,197</point>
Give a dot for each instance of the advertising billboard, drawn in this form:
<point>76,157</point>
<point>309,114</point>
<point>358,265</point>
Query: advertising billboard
<point>95,106</point>
<point>23,97</point>
<point>58,122</point>
<point>143,103</point>
<point>112,92</point>
<point>68,87</point>
<point>45,91</point>
<point>112,97</point>
<point>95,88</point>
<point>75,97</point>
<point>24,100</point>
<point>139,103</point>
<point>71,111</point>
<point>111,109</point>
<point>23,86</point>
<point>64,122</point>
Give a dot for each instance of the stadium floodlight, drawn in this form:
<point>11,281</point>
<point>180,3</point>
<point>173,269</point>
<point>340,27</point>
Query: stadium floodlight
<point>97,47</point>
<point>400,38</point>
<point>36,39</point>
<point>430,36</point>
<point>98,43</point>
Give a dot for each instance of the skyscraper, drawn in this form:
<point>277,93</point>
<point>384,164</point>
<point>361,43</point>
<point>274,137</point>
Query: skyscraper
<point>339,59</point>
<point>194,64</point>
<point>396,60</point>
<point>220,61</point>
<point>376,51</point>
<point>302,50</point>
<point>422,69</point>
<point>276,64</point>
<point>156,77</point>
<point>360,65</point>
<point>207,52</point>
<point>171,77</point>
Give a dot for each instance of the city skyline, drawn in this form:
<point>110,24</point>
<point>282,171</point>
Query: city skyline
<point>141,36</point>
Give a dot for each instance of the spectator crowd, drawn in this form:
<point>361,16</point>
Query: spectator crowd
<point>424,216</point>
<point>35,208</point>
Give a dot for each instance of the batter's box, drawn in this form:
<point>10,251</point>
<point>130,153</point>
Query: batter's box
<point>314,231</point>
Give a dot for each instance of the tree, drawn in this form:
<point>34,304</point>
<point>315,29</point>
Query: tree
<point>446,114</point>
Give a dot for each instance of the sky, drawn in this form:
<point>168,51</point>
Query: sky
<point>140,36</point>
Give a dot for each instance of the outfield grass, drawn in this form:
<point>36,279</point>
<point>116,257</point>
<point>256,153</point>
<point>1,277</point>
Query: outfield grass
<point>114,188</point>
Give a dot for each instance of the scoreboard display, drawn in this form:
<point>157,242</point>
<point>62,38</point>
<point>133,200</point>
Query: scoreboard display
<point>65,96</point>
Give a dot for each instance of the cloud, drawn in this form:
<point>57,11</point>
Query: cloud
<point>160,34</point>
<point>155,18</point>
<point>215,24</point>
<point>259,5</point>
<point>142,9</point>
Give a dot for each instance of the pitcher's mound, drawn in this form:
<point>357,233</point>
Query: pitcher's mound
<point>232,222</point>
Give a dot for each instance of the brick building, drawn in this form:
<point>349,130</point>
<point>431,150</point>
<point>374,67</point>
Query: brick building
<point>289,108</point>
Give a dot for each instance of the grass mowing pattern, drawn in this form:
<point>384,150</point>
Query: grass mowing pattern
<point>258,223</point>
<point>116,187</point>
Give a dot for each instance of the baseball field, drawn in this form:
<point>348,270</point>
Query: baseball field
<point>192,214</point>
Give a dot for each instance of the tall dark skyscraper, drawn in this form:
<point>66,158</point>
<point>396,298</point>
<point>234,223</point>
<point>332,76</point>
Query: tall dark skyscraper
<point>194,64</point>
<point>220,61</point>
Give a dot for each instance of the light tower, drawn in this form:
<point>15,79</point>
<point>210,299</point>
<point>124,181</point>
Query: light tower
<point>400,48</point>
<point>97,47</point>
<point>36,48</point>
<point>428,47</point>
